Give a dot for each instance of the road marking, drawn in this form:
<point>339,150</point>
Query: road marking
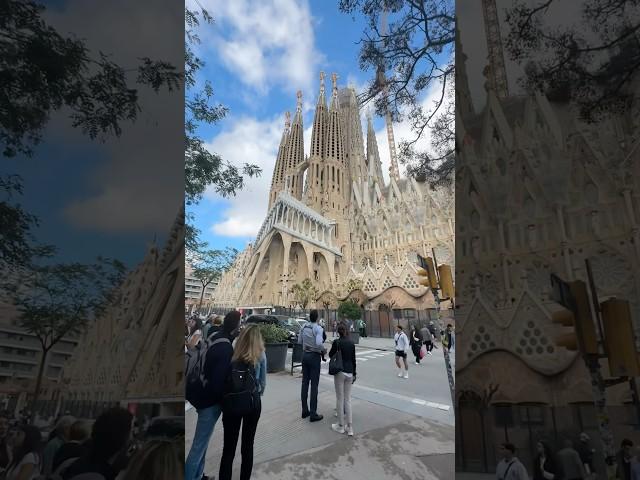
<point>417,401</point>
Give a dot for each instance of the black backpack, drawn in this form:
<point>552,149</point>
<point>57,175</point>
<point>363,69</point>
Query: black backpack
<point>241,395</point>
<point>195,380</point>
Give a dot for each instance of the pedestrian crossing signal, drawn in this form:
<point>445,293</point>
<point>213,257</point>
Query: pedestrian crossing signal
<point>619,338</point>
<point>428,271</point>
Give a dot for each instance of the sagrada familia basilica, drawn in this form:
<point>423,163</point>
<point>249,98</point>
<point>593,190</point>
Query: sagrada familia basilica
<point>333,218</point>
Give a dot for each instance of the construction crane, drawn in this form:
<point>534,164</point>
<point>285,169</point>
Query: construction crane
<point>497,71</point>
<point>393,167</point>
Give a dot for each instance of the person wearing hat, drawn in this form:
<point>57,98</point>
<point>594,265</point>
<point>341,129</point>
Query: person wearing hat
<point>586,452</point>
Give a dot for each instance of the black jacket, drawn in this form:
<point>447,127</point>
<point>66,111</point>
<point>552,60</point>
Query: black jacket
<point>418,335</point>
<point>549,466</point>
<point>216,366</point>
<point>348,350</point>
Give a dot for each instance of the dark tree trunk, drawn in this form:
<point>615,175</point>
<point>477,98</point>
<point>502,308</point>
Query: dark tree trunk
<point>36,393</point>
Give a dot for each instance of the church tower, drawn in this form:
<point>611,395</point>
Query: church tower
<point>295,154</point>
<point>277,182</point>
<point>317,151</point>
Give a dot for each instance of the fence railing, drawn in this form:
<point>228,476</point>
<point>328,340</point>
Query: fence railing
<point>379,323</point>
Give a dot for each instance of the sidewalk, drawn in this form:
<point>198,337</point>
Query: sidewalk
<point>387,444</point>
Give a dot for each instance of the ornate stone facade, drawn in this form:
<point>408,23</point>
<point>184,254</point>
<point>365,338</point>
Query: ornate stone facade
<point>540,192</point>
<point>134,353</point>
<point>333,218</point>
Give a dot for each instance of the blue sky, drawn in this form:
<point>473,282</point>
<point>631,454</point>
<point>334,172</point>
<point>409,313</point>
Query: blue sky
<point>110,198</point>
<point>258,54</point>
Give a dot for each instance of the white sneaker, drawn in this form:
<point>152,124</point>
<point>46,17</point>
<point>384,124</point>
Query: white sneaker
<point>406,375</point>
<point>400,373</point>
<point>428,353</point>
<point>336,427</point>
<point>416,362</point>
<point>349,431</point>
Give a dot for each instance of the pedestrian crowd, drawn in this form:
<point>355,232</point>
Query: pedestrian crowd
<point>226,369</point>
<point>574,461</point>
<point>79,449</point>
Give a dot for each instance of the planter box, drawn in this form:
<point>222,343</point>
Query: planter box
<point>355,337</point>
<point>276,356</point>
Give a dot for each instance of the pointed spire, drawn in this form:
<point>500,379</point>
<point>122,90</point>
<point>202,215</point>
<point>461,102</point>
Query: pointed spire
<point>299,103</point>
<point>279,169</point>
<point>373,155</point>
<point>319,130</point>
<point>321,86</point>
<point>295,148</point>
<point>334,144</point>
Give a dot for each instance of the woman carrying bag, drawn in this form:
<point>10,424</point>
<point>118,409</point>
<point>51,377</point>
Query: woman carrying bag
<point>343,368</point>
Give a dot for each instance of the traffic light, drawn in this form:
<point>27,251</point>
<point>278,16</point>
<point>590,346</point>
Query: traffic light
<point>583,337</point>
<point>446,281</point>
<point>619,338</point>
<point>428,271</point>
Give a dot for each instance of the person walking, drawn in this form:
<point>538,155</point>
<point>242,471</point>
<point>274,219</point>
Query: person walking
<point>216,326</point>
<point>343,380</point>
<point>544,465</point>
<point>76,446</point>
<point>110,441</point>
<point>218,358</point>
<point>195,333</point>
<point>311,339</point>
<point>248,357</point>
<point>402,345</point>
<point>510,467</point>
<point>448,339</point>
<point>586,452</point>
<point>60,437</point>
<point>416,343</point>
<point>25,463</point>
<point>335,328</point>
<point>570,463</point>
<point>624,460</point>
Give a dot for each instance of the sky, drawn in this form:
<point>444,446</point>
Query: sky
<point>258,55</point>
<point>110,198</point>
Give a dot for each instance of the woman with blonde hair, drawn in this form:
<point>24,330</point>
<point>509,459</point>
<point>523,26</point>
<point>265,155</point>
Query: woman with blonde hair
<point>241,405</point>
<point>158,459</point>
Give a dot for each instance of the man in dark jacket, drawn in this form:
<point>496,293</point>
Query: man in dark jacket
<point>216,365</point>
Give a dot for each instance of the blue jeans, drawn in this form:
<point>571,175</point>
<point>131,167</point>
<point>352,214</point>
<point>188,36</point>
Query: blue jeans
<point>207,418</point>
<point>310,375</point>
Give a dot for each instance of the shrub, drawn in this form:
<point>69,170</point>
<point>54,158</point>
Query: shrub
<point>350,310</point>
<point>273,333</point>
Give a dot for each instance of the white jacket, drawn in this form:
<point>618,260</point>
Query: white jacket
<point>402,342</point>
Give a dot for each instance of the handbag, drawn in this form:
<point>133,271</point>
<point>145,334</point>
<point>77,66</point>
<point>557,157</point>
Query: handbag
<point>423,351</point>
<point>335,364</point>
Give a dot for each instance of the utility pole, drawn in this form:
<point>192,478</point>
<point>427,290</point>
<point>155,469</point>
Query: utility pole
<point>438,280</point>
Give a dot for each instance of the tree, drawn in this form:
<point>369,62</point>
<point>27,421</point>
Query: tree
<point>591,62</point>
<point>18,247</point>
<point>413,57</point>
<point>202,167</point>
<point>349,310</point>
<point>209,265</point>
<point>58,301</point>
<point>43,71</point>
<point>304,293</point>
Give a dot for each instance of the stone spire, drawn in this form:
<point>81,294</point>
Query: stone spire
<point>295,152</point>
<point>373,155</point>
<point>318,133</point>
<point>279,170</point>
<point>334,144</point>
<point>463,93</point>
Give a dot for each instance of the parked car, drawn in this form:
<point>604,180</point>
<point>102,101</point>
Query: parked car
<point>279,320</point>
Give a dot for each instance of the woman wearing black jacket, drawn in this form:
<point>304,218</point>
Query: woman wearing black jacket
<point>416,343</point>
<point>544,466</point>
<point>343,380</point>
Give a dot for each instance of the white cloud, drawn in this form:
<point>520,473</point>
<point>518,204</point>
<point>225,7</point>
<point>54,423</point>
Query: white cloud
<point>265,43</point>
<point>247,140</point>
<point>403,131</point>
